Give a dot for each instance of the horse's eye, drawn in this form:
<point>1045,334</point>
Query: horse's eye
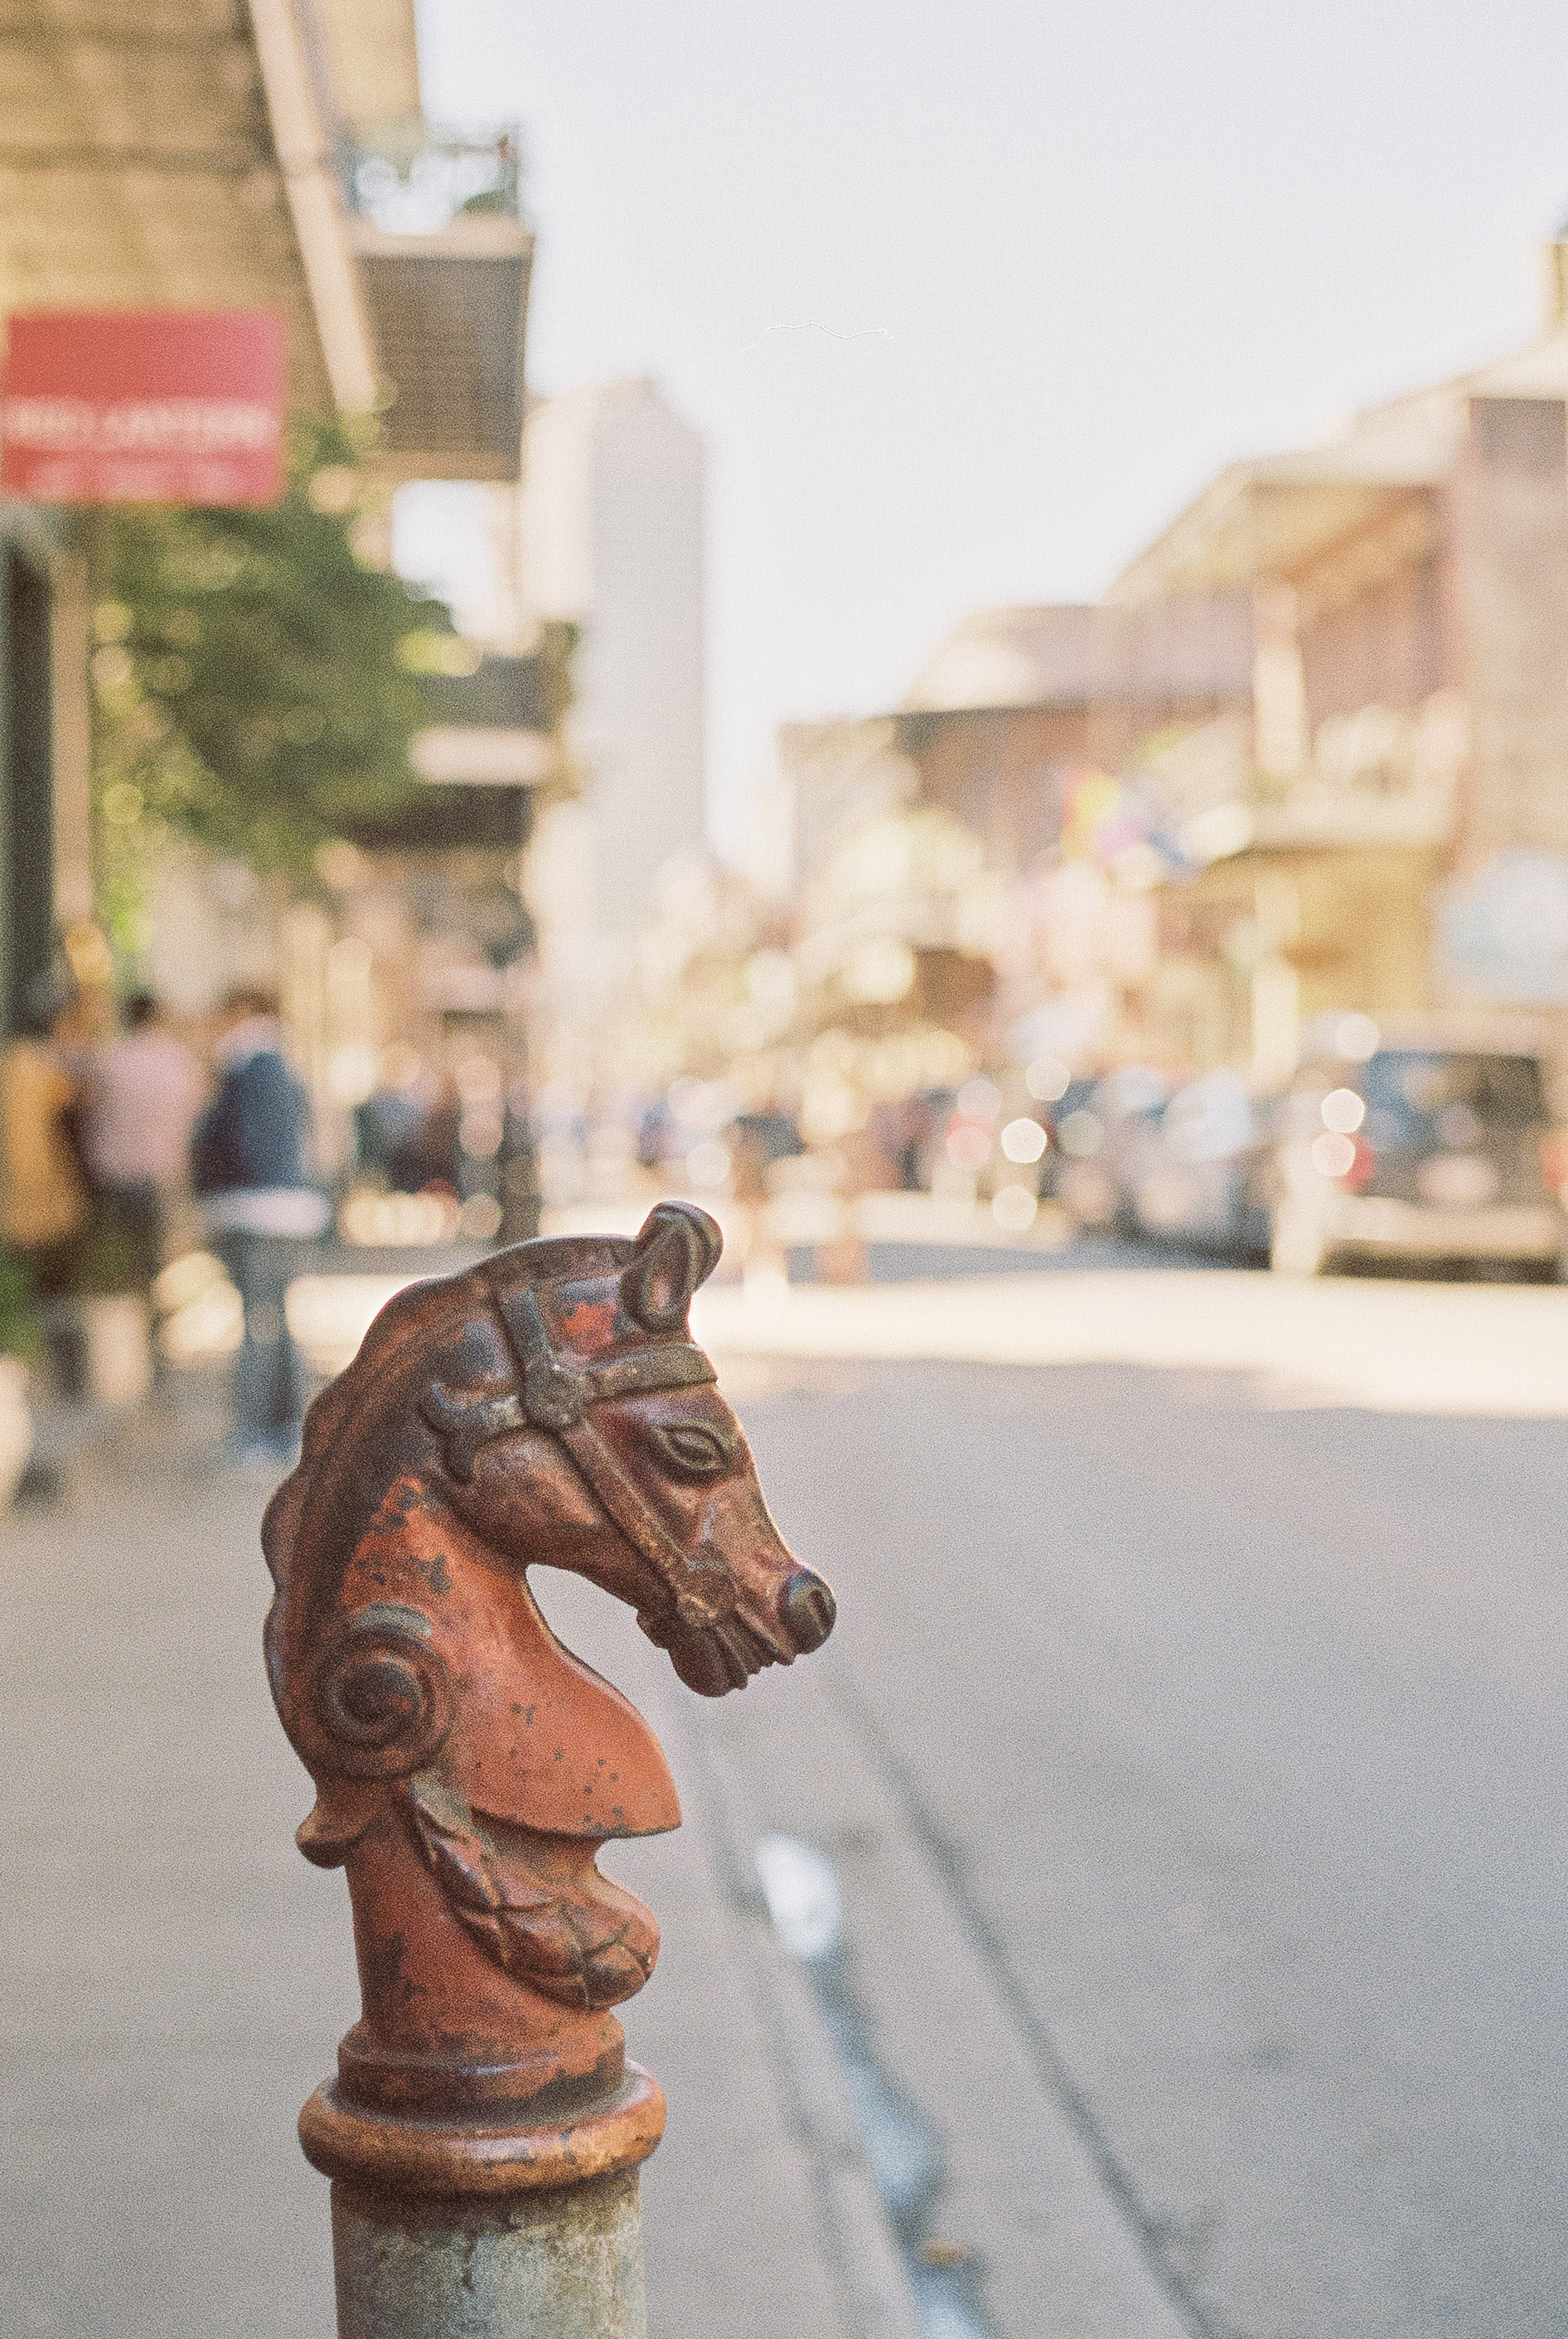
<point>696,1452</point>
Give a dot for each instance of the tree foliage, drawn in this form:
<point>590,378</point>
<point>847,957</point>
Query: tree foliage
<point>254,682</point>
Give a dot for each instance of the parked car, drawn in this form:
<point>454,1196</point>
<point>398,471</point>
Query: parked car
<point>1198,1173</point>
<point>1417,1143</point>
<point>1096,1140</point>
<point>1077,1097</point>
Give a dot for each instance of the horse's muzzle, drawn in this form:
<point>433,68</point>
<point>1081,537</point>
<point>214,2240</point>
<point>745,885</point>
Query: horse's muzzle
<point>806,1611</point>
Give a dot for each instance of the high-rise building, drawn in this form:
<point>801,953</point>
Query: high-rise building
<point>610,539</point>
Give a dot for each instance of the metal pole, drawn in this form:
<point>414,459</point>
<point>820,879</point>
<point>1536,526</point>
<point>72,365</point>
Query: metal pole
<point>545,2248</point>
<point>484,2129</point>
<point>562,2261</point>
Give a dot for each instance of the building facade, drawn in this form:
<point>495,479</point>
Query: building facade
<point>190,154</point>
<point>610,521</point>
<point>1321,722</point>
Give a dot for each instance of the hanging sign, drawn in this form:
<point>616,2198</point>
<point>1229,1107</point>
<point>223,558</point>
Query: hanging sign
<point>162,406</point>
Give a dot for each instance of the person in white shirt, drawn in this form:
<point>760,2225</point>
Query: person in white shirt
<point>141,1093</point>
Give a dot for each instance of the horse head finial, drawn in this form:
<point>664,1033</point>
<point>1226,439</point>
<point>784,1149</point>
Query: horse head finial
<point>547,1407</point>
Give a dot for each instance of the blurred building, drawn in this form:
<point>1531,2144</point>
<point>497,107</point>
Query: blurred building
<point>1319,727</point>
<point>915,832</point>
<point>168,155</point>
<point>45,826</point>
<point>611,542</point>
<point>1018,701</point>
<point>1408,780</point>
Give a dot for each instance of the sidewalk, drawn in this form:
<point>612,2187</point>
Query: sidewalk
<point>174,1978</point>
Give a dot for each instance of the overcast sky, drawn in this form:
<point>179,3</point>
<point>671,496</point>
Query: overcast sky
<point>969,300</point>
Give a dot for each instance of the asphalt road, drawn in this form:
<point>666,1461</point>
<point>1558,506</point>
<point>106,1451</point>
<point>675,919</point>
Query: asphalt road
<point>1236,1739</point>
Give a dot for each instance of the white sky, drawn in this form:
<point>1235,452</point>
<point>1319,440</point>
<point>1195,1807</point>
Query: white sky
<point>968,300</point>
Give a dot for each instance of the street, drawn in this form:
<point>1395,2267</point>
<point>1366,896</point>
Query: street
<point>1244,1727</point>
<point>1186,1754</point>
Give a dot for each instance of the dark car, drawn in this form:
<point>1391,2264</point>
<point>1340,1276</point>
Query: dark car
<point>1199,1173</point>
<point>1095,1138</point>
<point>1412,1145</point>
<point>1077,1097</point>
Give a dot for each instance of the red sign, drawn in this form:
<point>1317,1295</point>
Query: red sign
<point>159,405</point>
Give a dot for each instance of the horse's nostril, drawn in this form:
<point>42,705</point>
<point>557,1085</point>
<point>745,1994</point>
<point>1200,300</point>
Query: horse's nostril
<point>807,1609</point>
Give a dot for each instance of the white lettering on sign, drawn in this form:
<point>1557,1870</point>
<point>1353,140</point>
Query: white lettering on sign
<point>160,425</point>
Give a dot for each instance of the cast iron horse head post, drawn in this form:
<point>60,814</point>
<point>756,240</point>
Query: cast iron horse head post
<point>546,1408</point>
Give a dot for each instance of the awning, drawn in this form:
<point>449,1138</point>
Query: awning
<point>492,728</point>
<point>481,755</point>
<point>202,154</point>
<point>449,314</point>
<point>138,169</point>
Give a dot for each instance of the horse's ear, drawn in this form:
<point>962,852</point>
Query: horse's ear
<point>677,1249</point>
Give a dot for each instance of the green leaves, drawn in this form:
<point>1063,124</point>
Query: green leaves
<point>252,683</point>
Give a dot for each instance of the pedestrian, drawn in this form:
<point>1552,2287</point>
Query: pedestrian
<point>142,1092</point>
<point>390,1125</point>
<point>44,1203</point>
<point>248,1165</point>
<point>518,1163</point>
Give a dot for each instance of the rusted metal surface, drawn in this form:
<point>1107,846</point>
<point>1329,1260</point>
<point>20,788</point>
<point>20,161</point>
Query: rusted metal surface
<point>546,1409</point>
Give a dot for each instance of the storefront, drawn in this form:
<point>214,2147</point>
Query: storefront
<point>186,155</point>
<point>45,873</point>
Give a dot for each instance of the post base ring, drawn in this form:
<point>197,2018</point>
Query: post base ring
<point>346,2140</point>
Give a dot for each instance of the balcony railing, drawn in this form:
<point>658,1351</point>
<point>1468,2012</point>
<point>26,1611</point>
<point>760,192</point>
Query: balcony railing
<point>418,190</point>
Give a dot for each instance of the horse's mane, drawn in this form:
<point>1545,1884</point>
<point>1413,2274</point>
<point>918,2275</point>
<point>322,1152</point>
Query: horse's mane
<point>365,1430</point>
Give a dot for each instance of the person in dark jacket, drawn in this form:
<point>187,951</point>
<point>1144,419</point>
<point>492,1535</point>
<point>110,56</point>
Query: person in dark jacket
<point>248,1166</point>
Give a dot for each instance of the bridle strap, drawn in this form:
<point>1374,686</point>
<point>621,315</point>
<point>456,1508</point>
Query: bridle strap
<point>556,1397</point>
<point>624,1503</point>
